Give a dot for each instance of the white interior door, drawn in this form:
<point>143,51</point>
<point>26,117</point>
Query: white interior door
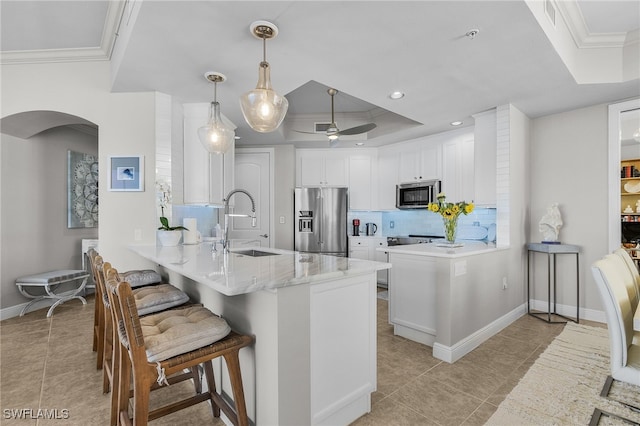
<point>253,174</point>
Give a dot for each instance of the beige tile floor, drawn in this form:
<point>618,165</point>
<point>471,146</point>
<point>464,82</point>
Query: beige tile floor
<point>49,364</point>
<point>414,388</point>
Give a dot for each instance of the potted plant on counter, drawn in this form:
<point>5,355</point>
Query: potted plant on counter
<point>168,235</point>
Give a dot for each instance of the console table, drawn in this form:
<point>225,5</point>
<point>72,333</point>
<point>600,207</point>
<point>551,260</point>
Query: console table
<point>552,250</point>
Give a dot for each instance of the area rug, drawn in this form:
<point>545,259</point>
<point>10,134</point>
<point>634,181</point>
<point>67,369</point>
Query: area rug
<point>563,385</point>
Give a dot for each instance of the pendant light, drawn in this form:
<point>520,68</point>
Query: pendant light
<point>216,136</point>
<point>262,107</point>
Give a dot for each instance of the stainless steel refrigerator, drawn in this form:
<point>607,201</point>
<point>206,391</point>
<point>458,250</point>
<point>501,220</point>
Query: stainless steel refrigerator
<point>321,220</point>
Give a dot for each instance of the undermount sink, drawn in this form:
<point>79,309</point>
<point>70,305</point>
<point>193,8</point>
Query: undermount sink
<point>254,253</point>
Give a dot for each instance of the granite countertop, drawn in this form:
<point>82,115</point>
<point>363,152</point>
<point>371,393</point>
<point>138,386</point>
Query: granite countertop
<point>469,248</point>
<point>233,273</point>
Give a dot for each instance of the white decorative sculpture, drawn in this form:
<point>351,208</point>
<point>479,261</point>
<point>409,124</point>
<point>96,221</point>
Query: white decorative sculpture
<point>551,223</point>
<point>638,206</point>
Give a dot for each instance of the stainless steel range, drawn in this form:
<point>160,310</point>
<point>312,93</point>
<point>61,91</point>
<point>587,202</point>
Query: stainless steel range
<point>410,239</point>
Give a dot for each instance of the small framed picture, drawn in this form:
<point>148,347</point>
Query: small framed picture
<point>126,173</point>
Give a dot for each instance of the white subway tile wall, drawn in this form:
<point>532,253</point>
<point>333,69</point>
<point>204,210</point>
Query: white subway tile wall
<point>206,216</point>
<point>416,222</point>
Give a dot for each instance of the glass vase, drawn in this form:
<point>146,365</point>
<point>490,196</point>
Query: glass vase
<point>450,229</point>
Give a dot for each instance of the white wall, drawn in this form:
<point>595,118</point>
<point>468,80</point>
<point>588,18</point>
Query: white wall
<point>36,238</point>
<point>519,200</point>
<point>284,176</point>
<point>569,166</point>
<point>126,123</point>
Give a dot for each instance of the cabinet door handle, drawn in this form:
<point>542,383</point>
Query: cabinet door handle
<point>264,235</point>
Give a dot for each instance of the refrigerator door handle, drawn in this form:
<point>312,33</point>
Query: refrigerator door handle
<point>320,216</point>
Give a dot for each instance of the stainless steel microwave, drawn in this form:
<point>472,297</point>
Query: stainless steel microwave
<point>416,195</point>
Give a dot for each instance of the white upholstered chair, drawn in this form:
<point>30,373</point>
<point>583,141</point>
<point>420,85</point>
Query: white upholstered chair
<point>631,264</point>
<point>612,281</point>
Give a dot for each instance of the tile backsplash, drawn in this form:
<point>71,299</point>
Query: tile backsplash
<point>390,223</point>
<point>418,222</point>
<point>206,217</point>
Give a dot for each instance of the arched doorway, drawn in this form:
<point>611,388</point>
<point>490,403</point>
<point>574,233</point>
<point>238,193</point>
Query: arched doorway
<point>34,196</point>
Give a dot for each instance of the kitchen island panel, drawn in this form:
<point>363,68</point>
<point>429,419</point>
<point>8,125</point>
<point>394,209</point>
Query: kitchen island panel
<point>414,278</point>
<point>314,357</point>
<point>343,343</point>
<point>469,301</point>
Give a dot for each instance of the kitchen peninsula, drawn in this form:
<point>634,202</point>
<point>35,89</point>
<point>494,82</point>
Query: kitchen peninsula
<point>313,317</point>
<point>449,298</point>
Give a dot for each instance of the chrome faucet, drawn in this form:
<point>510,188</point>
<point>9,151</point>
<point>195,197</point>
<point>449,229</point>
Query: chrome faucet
<point>225,232</point>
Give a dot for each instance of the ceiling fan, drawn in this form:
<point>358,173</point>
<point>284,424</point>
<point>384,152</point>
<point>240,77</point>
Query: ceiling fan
<point>333,133</point>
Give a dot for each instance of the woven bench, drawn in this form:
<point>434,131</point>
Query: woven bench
<point>49,281</point>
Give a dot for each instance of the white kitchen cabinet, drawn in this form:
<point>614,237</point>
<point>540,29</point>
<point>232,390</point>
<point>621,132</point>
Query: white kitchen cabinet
<point>387,177</point>
<point>317,167</point>
<point>359,252</point>
<point>458,169</point>
<point>359,247</point>
<point>379,256</point>
<point>352,168</point>
<point>366,248</point>
<point>361,187</point>
<point>207,177</point>
<point>412,297</point>
<point>485,153</point>
<point>420,162</point>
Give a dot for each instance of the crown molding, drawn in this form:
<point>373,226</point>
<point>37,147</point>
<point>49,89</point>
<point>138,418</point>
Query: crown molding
<point>101,53</point>
<point>573,18</point>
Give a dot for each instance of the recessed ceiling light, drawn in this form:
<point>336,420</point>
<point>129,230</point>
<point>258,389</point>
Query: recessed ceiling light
<point>456,123</point>
<point>396,95</point>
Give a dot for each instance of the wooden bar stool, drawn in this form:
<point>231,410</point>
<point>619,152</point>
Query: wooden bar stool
<point>159,345</point>
<point>137,278</point>
<point>149,299</point>
<point>113,348</point>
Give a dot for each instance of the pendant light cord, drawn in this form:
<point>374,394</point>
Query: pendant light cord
<point>264,49</point>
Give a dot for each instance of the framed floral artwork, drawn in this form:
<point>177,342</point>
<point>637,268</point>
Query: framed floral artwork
<point>82,190</point>
<point>126,173</point>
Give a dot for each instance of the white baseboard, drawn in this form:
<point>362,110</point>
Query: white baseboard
<point>11,311</point>
<point>453,353</point>
<point>570,311</point>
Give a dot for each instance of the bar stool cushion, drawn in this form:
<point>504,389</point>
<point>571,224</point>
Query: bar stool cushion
<point>178,331</point>
<point>158,297</point>
<point>137,278</point>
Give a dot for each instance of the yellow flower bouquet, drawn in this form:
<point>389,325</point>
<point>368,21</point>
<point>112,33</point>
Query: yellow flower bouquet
<point>450,213</point>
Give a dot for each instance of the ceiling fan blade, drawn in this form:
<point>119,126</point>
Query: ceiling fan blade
<point>307,133</point>
<point>357,130</point>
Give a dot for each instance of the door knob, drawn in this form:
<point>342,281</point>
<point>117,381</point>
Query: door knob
<point>264,236</point>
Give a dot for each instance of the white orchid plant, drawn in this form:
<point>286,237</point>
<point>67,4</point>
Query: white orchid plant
<point>163,190</point>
